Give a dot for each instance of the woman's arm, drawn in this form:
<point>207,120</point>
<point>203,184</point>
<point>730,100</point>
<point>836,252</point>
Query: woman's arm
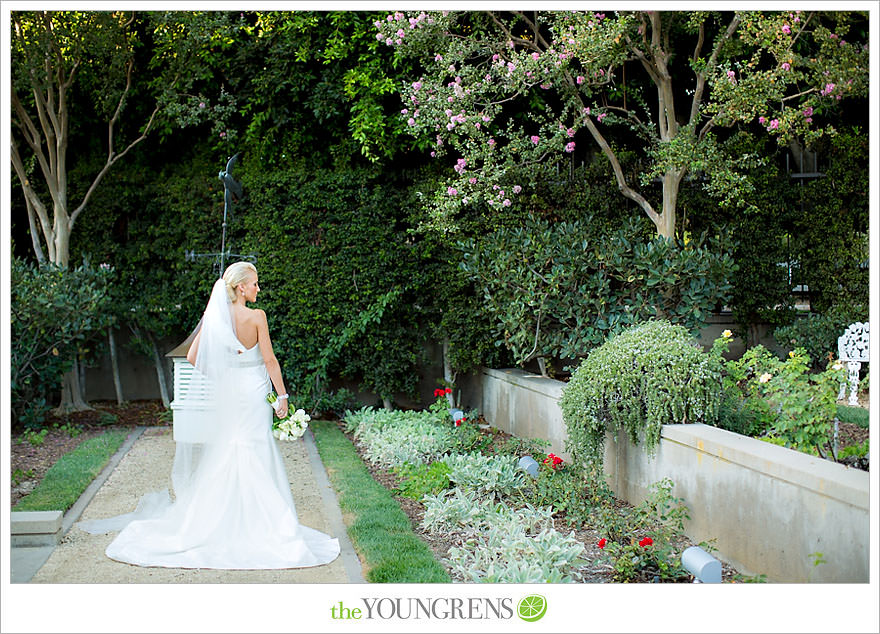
<point>269,358</point>
<point>193,351</point>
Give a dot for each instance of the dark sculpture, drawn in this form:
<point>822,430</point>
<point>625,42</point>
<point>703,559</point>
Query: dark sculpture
<point>231,188</point>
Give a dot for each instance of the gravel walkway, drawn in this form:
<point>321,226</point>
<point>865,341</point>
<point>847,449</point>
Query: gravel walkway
<point>80,557</point>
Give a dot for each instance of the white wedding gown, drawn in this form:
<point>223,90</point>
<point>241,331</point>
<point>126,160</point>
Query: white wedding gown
<point>233,508</point>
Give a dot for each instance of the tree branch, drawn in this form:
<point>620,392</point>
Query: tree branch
<point>710,65</point>
<point>111,159</point>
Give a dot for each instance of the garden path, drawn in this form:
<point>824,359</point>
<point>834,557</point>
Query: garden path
<point>80,558</point>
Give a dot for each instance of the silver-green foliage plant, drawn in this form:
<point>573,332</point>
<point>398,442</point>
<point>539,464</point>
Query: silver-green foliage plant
<point>487,476</point>
<point>649,375</point>
<point>501,544</point>
<point>395,438</point>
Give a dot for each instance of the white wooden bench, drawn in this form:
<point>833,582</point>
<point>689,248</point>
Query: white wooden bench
<point>853,347</point>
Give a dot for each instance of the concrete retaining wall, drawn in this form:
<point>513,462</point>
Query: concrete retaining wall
<point>767,507</point>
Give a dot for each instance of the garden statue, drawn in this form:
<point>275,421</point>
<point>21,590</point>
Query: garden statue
<point>853,347</point>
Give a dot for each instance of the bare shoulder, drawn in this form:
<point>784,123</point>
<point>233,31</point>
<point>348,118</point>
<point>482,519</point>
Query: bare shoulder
<point>258,315</point>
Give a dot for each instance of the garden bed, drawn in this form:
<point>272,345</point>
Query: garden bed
<point>29,461</point>
<point>594,570</point>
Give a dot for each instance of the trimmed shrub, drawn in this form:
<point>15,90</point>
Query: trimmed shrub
<point>558,290</point>
<point>647,376</point>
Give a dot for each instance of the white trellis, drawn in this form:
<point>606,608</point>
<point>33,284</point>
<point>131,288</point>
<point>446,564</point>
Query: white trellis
<point>853,347</point>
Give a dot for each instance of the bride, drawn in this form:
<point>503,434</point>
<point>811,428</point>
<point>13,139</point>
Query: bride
<point>232,506</point>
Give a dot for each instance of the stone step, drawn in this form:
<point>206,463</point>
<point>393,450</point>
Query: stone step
<point>36,528</point>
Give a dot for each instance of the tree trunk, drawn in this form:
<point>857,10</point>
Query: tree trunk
<point>71,393</point>
<point>114,362</point>
<point>160,373</point>
<point>666,221</point>
<point>386,402</point>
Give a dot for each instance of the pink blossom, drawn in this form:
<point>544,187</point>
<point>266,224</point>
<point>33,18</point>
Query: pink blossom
<point>762,120</point>
<point>495,57</point>
<point>731,75</point>
<point>477,125</point>
<point>786,29</point>
<point>496,187</point>
<point>487,78</point>
<point>491,142</point>
<point>827,90</point>
<point>511,67</point>
<point>472,180</point>
<point>433,154</point>
<point>570,132</point>
<point>389,41</point>
<point>506,202</point>
<point>580,79</point>
<point>535,139</point>
<point>417,85</point>
<point>379,36</point>
<point>438,57</point>
<point>401,33</point>
<point>774,124</point>
<point>222,135</point>
<point>587,110</point>
<point>411,121</point>
<point>451,68</point>
<point>517,189</point>
<point>786,66</point>
<point>536,56</point>
<point>202,105</point>
<point>569,147</point>
<point>460,165</point>
<point>601,116</point>
<point>452,191</point>
<point>808,112</point>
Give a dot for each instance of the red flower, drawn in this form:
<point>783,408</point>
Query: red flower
<point>462,420</point>
<point>646,542</point>
<point>602,542</point>
<point>448,390</point>
<point>458,423</point>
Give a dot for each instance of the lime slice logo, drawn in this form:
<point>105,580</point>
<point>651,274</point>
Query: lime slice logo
<point>532,607</point>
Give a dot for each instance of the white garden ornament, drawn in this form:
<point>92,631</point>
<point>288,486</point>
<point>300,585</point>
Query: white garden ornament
<point>852,347</point>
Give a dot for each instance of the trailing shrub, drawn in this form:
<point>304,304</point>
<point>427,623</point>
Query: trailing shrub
<point>558,290</point>
<point>647,376</point>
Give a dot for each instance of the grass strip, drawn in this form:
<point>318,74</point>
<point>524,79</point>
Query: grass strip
<point>66,480</point>
<point>377,526</point>
<point>855,415</point>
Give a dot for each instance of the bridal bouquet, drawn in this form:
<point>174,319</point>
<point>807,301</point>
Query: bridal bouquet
<point>290,427</point>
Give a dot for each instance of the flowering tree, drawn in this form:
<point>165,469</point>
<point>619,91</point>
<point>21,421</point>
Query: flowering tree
<point>503,92</point>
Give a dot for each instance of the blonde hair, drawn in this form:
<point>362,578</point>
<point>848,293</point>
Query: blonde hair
<point>237,273</point>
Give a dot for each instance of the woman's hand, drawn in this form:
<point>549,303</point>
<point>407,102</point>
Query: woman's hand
<point>282,408</point>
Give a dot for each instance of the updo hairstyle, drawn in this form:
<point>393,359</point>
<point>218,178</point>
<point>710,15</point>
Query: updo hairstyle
<point>237,273</point>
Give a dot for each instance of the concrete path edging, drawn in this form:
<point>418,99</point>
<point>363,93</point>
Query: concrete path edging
<point>25,561</point>
<point>334,514</point>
